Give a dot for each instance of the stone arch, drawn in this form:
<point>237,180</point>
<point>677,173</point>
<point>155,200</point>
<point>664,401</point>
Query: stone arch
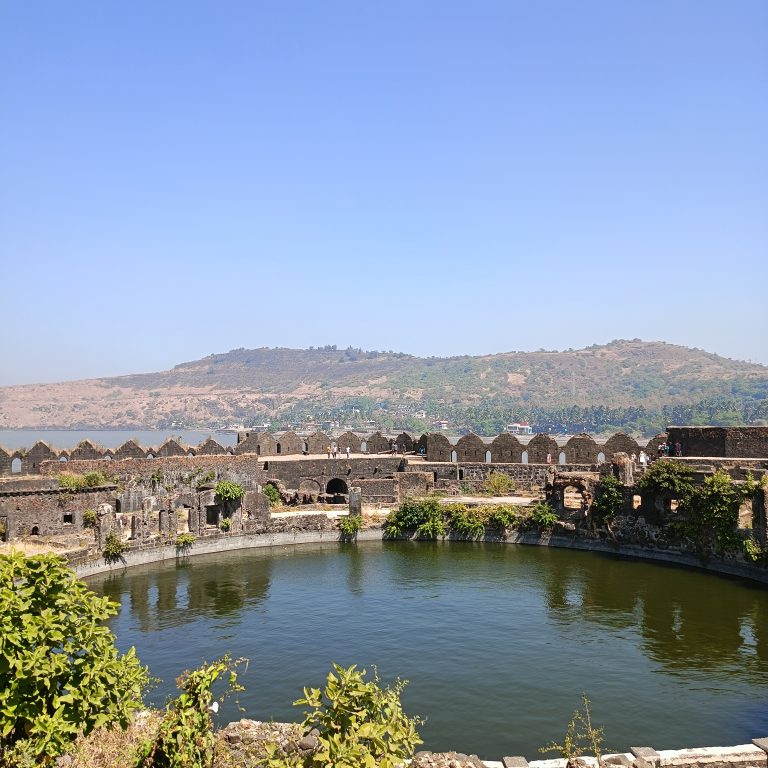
<point>524,457</point>
<point>39,452</point>
<point>421,445</point>
<point>318,442</point>
<point>454,456</point>
<point>601,458</point>
<point>86,451</point>
<point>309,490</point>
<point>506,449</point>
<point>581,449</point>
<point>621,443</point>
<point>438,447</point>
<point>471,448</point>
<point>337,490</point>
<point>652,449</point>
<point>561,458</point>
<point>266,445</point>
<point>16,465</point>
<point>488,456</point>
<point>209,448</point>
<point>539,447</point>
<point>63,458</point>
<point>150,455</point>
<point>290,444</point>
<point>377,443</point>
<point>348,440</point>
<point>247,445</point>
<point>363,446</point>
<point>404,442</point>
<point>35,530</point>
<point>130,449</point>
<point>171,448</point>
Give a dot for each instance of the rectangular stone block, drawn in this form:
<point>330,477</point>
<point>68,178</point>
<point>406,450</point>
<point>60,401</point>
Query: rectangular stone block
<point>623,759</point>
<point>515,761</point>
<point>559,762</point>
<point>762,743</point>
<point>648,754</point>
<point>741,756</point>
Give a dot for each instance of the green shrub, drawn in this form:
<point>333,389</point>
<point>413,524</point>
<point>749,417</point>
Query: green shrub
<point>205,479</point>
<point>609,498</point>
<point>359,723</point>
<point>228,491</point>
<point>185,738</point>
<point>71,482</point>
<point>753,551</point>
<point>580,736</point>
<point>502,517</point>
<point>350,525</point>
<point>89,518</point>
<point>184,541</point>
<point>668,478</point>
<point>225,524</point>
<point>498,484</point>
<point>271,492</point>
<point>60,672</point>
<point>711,513</point>
<point>413,515</point>
<point>466,522</point>
<point>114,547</point>
<point>543,515</point>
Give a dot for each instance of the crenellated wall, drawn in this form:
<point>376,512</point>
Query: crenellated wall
<point>747,442</point>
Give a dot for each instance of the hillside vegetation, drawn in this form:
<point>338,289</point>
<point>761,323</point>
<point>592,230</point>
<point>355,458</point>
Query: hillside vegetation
<point>631,384</point>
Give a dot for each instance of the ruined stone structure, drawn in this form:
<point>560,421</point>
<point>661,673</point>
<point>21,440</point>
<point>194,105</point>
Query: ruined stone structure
<point>728,442</point>
<point>169,489</point>
<point>434,447</point>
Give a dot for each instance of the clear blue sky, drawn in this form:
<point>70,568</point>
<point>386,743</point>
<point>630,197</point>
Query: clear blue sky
<point>181,178</point>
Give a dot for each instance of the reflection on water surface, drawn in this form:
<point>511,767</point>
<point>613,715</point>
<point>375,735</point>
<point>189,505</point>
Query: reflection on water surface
<point>497,641</point>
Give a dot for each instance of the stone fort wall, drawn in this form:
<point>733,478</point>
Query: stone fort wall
<point>583,449</point>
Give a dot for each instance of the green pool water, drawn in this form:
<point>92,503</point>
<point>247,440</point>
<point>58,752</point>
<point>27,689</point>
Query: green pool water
<point>498,641</point>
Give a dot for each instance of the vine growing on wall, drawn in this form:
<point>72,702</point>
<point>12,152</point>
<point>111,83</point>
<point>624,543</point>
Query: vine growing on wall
<point>228,491</point>
<point>711,513</point>
<point>608,500</point>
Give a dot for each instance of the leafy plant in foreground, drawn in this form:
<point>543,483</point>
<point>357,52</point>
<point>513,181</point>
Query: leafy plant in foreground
<point>580,736</point>
<point>358,723</point>
<point>60,672</point>
<point>185,738</point>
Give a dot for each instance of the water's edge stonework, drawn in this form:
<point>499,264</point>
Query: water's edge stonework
<point>211,545</point>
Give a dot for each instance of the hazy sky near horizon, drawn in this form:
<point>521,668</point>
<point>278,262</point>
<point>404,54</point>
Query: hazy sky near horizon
<point>435,177</point>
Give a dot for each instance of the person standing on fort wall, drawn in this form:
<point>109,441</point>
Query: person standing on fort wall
<point>328,451</point>
<point>348,451</point>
